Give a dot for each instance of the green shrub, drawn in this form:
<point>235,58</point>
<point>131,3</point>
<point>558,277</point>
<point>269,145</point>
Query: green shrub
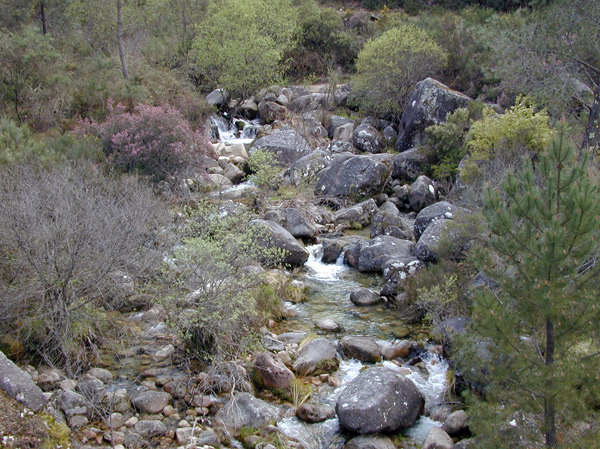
<point>389,67</point>
<point>265,169</point>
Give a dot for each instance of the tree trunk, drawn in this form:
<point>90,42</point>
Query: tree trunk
<point>120,40</point>
<point>549,405</point>
<point>43,18</point>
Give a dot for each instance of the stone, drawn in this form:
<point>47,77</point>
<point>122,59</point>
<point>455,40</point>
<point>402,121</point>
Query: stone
<point>198,437</point>
<point>305,169</point>
<point>286,145</point>
<point>390,136</point>
<point>116,420</point>
<point>395,273</point>
<point>409,165</point>
<point>390,223</point>
<point>316,356</point>
<point>428,105</point>
<point>91,387</point>
<point>456,423</point>
<point>102,374</point>
<point>359,215</point>
<point>352,175</point>
<point>392,350</point>
<point>150,429</point>
<point>271,111</point>
<point>297,221</point>
<point>428,247</point>
<point>421,193</point>
<point>163,353</point>
<point>118,400</point>
<point>364,349</point>
<point>437,439</point>
<point>328,325</point>
<point>216,98</point>
<point>72,403</point>
<point>441,210</point>
<point>233,173</point>
<point>270,372</point>
<point>365,297</point>
<point>151,401</point>
<point>367,138</point>
<point>344,133</point>
<point>371,255</point>
<point>19,386</point>
<point>244,410</point>
<point>379,400</point>
<point>335,122</point>
<point>272,235</point>
<point>313,413</point>
<point>368,442</point>
<point>341,94</point>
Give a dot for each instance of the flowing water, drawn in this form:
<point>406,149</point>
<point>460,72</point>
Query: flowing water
<point>236,130</point>
<point>330,286</point>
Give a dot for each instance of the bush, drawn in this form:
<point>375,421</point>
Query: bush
<point>155,141</point>
<point>66,234</point>
<point>264,168</point>
<point>389,67</point>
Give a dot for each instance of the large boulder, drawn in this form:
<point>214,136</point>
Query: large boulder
<point>151,401</point>
<point>456,423</point>
<point>370,255</point>
<point>409,164</point>
<point>437,439</point>
<point>341,94</point>
<point>365,297</point>
<point>333,248</point>
<point>421,193</point>
<point>270,372</point>
<point>351,175</point>
<point>394,274</point>
<point>359,215</point>
<point>244,410</point>
<point>379,400</point>
<point>337,121</point>
<point>442,210</point>
<point>216,98</point>
<point>369,442</point>
<point>428,105</point>
<point>389,222</point>
<point>18,385</point>
<point>296,221</point>
<point>272,235</point>
<point>270,111</point>
<point>344,133</point>
<point>367,138</point>
<point>360,348</point>
<point>316,356</point>
<point>305,169</point>
<point>441,238</point>
<point>286,144</point>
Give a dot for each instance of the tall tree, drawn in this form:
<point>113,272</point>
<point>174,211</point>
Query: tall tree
<point>120,39</point>
<point>541,322</point>
<point>553,53</point>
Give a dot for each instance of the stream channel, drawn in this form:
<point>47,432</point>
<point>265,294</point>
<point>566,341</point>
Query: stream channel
<point>329,288</point>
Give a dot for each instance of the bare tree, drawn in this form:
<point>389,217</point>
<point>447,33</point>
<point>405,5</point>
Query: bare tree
<point>120,40</point>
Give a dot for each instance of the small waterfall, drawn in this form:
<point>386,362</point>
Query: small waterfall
<point>236,130</point>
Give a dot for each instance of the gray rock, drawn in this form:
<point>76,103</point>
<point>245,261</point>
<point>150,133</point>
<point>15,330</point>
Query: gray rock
<point>77,421</point>
<point>365,297</point>
<point>72,403</point>
<point>215,98</point>
<point>91,387</point>
<point>287,145</point>
<point>305,169</point>
<point>409,164</point>
<point>344,133</point>
<point>350,175</point>
<point>428,105</point>
<point>437,439</point>
<point>421,193</point>
<point>335,122</point>
<point>297,221</point>
<point>364,349</point>
<point>314,413</point>
<point>244,410</point>
<point>342,93</point>
<point>391,350</point>
<point>272,235</point>
<point>442,210</point>
<point>358,215</point>
<point>450,328</point>
<point>249,108</point>
<point>394,274</point>
<point>18,385</point>
<point>328,325</point>
<point>270,111</point>
<point>389,136</point>
<point>379,400</point>
<point>428,247</point>
<point>389,223</point>
<point>102,374</point>
<point>368,442</point>
<point>199,437</point>
<point>233,173</point>
<point>292,337</point>
<point>318,355</point>
<point>469,443</point>
<point>150,429</point>
<point>456,423</point>
<point>367,138</point>
<point>270,372</point>
<point>333,248</point>
<point>370,255</point>
<point>151,401</point>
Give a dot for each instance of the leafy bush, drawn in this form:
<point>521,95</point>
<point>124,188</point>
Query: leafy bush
<point>153,140</point>
<point>264,168</point>
<point>215,308</point>
<point>389,67</point>
<point>441,301</point>
<point>66,234</point>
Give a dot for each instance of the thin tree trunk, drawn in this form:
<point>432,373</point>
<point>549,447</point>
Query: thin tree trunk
<point>43,18</point>
<point>549,405</point>
<point>120,40</point>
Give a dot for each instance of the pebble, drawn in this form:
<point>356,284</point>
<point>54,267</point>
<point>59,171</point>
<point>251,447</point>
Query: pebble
<point>168,410</point>
<point>131,421</point>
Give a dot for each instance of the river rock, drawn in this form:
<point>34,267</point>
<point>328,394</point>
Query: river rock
<point>150,429</point>
<point>270,372</point>
<point>359,215</point>
<point>336,121</point>
<point>305,169</point>
<point>19,386</point>
<point>314,413</point>
<point>91,387</point>
<point>151,401</point>
<point>441,210</point>
<point>437,439</point>
<point>370,255</point>
<point>344,133</point>
<point>333,248</point>
<point>200,437</point>
<point>316,356</point>
<point>102,374</point>
<point>369,442</point>
<point>297,221</point>
<point>409,164</point>
<point>365,297</point>
<point>270,111</point>
<point>456,423</point>
<point>216,98</point>
<point>428,105</point>
<point>233,173</point>
<point>272,235</point>
<point>391,350</point>
<point>366,138</point>
<point>287,145</point>
<point>428,247</point>
<point>395,273</point>
<point>164,353</point>
<point>364,349</point>
<point>379,400</point>
<point>421,193</point>
<point>390,136</point>
<point>328,325</point>
<point>390,223</point>
<point>244,410</point>
<point>351,175</point>
<point>72,403</point>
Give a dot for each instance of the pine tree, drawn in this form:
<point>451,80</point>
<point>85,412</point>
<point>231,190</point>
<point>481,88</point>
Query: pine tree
<point>540,325</point>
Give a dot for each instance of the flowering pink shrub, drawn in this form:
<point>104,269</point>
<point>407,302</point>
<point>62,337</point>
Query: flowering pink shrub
<point>154,140</point>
